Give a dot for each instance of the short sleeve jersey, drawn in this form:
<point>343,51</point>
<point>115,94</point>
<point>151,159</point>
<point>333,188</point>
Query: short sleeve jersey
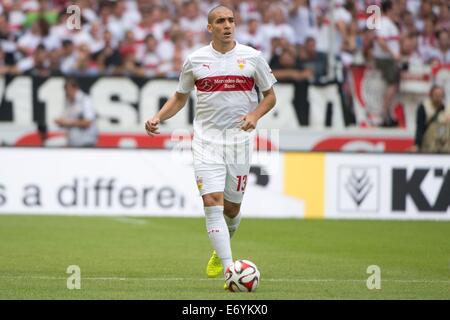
<point>226,90</point>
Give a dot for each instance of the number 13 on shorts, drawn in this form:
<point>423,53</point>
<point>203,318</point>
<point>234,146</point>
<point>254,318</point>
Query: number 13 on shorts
<point>242,183</point>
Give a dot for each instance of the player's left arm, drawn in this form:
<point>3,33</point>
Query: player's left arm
<point>264,80</point>
<point>267,103</point>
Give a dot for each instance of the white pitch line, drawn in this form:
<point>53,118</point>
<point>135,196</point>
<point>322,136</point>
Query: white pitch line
<point>130,220</point>
<point>204,279</point>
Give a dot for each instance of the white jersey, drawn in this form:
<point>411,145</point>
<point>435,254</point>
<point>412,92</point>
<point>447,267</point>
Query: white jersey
<point>226,91</point>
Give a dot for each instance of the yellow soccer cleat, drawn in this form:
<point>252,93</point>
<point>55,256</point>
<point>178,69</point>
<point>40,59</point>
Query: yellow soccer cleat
<point>225,287</point>
<point>214,267</point>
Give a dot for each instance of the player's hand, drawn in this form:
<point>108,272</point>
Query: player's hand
<point>248,122</point>
<point>151,126</point>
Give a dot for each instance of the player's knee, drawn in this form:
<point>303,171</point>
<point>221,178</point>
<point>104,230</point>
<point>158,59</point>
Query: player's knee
<point>231,209</point>
<point>213,199</point>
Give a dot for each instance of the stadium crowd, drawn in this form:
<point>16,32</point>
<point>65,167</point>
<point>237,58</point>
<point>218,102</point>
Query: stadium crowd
<point>151,38</point>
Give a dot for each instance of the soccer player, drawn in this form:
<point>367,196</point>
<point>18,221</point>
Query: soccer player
<point>224,74</point>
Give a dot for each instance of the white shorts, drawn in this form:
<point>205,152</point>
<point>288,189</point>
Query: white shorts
<point>222,168</point>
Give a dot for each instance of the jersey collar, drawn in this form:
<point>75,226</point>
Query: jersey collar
<point>220,54</point>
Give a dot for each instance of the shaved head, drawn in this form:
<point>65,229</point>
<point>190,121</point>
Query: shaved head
<point>221,26</point>
<point>213,11</point>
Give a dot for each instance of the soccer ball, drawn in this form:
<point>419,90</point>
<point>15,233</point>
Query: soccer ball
<point>242,276</point>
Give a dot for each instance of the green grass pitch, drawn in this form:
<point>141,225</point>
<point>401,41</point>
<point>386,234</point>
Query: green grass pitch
<point>165,258</point>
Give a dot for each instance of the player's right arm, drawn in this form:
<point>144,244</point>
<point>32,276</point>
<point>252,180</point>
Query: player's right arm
<point>170,108</point>
<point>176,102</point>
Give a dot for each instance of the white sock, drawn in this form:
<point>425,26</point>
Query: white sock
<point>233,223</point>
<point>218,234</point>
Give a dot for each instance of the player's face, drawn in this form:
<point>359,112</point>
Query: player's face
<point>222,26</point>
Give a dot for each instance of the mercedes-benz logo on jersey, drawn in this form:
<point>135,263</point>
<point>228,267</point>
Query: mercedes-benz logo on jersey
<point>358,188</point>
<point>206,85</point>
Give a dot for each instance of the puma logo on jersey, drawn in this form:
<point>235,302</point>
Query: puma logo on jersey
<point>206,66</point>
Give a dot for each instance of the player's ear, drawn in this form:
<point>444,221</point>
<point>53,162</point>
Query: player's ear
<point>209,27</point>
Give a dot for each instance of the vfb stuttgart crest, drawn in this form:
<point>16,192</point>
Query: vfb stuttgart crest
<point>199,183</point>
<point>241,63</point>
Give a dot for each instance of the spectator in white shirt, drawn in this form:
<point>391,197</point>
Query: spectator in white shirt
<point>342,24</point>
<point>148,56</point>
<point>108,58</point>
<point>425,12</point>
<point>280,25</point>
<point>411,57</point>
<point>85,65</point>
<point>409,25</point>
<point>276,27</point>
<point>16,15</point>
<point>443,18</point>
<point>29,41</point>
<point>68,57</point>
<point>247,8</point>
<point>300,17</point>
<point>252,35</point>
<point>192,21</point>
<point>118,21</point>
<point>38,64</point>
<point>96,41</point>
<point>427,40</point>
<point>60,30</point>
<point>151,23</point>
<point>172,68</point>
<point>175,38</point>
<point>441,54</point>
<point>87,11</point>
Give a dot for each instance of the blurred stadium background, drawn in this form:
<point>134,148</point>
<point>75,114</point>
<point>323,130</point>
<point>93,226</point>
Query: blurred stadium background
<point>329,164</point>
